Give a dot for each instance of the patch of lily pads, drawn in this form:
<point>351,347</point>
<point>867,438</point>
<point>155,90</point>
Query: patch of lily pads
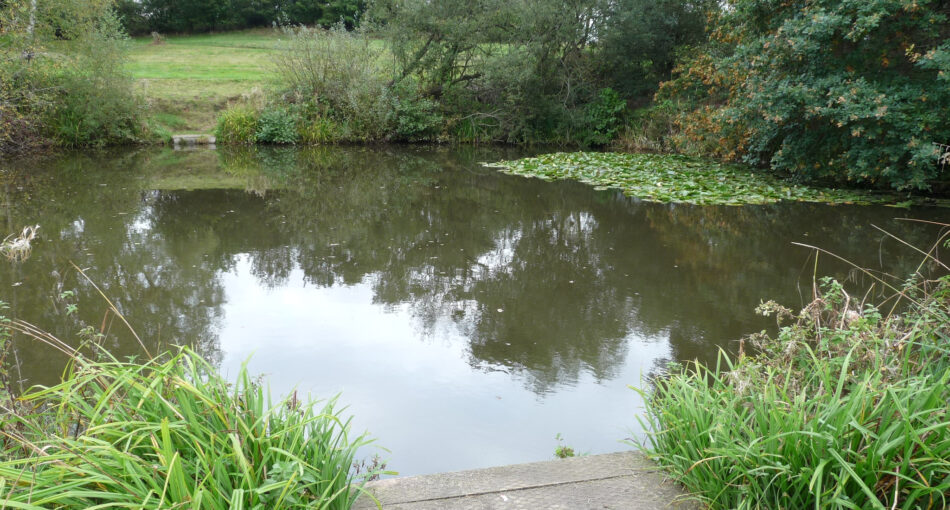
<point>681,179</point>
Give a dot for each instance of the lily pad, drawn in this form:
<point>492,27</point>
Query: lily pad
<point>681,179</point>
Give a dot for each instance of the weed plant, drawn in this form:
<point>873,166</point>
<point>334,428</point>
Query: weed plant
<point>277,125</point>
<point>846,407</point>
<point>170,432</point>
<point>237,126</point>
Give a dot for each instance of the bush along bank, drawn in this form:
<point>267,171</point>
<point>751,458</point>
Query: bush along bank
<point>354,86</point>
<point>62,78</point>
<point>846,407</point>
<point>170,432</point>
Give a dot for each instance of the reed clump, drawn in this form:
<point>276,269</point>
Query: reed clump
<point>17,248</point>
<point>168,433</point>
<point>846,407</point>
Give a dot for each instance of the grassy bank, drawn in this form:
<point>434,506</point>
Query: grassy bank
<point>187,80</point>
<point>845,408</point>
<point>170,432</point>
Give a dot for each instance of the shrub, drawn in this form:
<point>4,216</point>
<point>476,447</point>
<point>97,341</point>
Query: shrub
<point>844,408</point>
<point>72,91</point>
<point>92,112</point>
<point>339,75</point>
<point>604,117</point>
<point>417,118</point>
<point>237,125</point>
<point>172,433</point>
<point>843,90</point>
<point>320,130</point>
<point>276,125</point>
<point>19,133</point>
<point>93,103</point>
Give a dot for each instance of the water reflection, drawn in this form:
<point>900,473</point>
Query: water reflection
<point>500,309</point>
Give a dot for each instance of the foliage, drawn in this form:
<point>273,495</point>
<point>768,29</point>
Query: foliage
<point>641,39</point>
<point>276,125</point>
<point>95,104</point>
<point>145,16</point>
<point>670,178</point>
<point>417,118</point>
<point>172,432</point>
<point>848,90</point>
<point>651,129</point>
<point>62,78</point>
<point>604,117</point>
<point>319,130</point>
<point>562,451</point>
<point>536,71</point>
<point>418,71</point>
<point>505,71</point>
<point>237,125</point>
<point>338,75</point>
<point>844,408</point>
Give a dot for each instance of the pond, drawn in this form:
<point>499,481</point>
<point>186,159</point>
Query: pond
<point>465,317</point>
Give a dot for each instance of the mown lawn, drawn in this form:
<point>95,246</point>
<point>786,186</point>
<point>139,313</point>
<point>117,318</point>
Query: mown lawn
<point>189,78</point>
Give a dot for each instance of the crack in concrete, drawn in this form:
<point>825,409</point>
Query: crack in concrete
<point>499,491</point>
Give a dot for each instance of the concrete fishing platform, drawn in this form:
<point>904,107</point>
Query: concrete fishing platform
<point>179,141</point>
<point>616,481</point>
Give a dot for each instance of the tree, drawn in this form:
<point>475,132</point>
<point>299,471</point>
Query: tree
<point>638,40</point>
<point>847,90</point>
<point>504,70</point>
<point>62,77</point>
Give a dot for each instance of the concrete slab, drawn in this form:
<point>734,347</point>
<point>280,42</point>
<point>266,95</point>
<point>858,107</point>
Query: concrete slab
<point>617,481</point>
<point>192,140</point>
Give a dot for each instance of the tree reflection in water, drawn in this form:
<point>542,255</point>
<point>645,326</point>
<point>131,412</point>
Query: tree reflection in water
<point>545,281</point>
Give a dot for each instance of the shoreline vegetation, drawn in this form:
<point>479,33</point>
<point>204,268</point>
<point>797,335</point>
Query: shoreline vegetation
<point>635,75</point>
<point>845,407</point>
<point>167,432</point>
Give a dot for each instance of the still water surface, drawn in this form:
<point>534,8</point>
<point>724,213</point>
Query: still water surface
<point>465,317</point>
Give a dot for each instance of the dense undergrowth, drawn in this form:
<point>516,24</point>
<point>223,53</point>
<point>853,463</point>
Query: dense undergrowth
<point>846,407</point>
<point>170,432</point>
<point>62,80</point>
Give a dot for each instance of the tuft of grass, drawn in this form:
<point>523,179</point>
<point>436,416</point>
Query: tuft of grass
<point>238,125</point>
<point>844,408</point>
<point>17,248</point>
<point>172,433</point>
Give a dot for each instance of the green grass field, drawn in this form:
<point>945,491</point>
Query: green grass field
<point>188,79</point>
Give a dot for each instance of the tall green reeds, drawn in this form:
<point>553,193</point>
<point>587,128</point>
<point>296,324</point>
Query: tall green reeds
<point>172,433</point>
<point>845,408</point>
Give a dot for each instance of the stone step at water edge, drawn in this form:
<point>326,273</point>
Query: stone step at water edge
<point>618,481</point>
<point>193,139</point>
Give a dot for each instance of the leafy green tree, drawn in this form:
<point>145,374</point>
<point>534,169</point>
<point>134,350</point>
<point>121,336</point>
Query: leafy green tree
<point>347,12</point>
<point>502,70</point>
<point>144,16</point>
<point>638,41</point>
<point>847,90</point>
